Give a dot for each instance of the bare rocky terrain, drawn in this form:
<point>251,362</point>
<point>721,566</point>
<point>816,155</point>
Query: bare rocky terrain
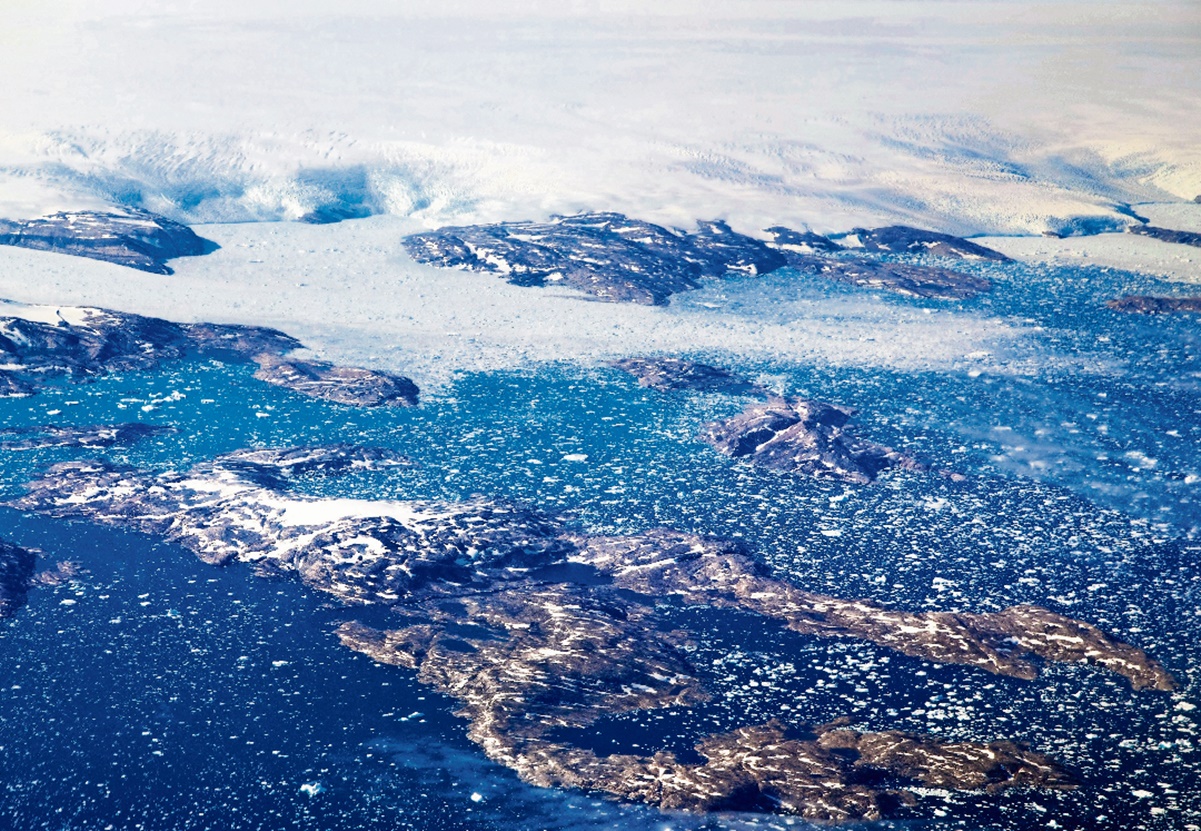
<point>533,626</point>
<point>129,237</point>
<point>614,258</point>
<point>90,437</point>
<point>671,374</point>
<point>41,344</point>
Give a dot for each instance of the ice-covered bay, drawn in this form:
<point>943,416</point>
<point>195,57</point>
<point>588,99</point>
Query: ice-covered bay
<point>350,292</point>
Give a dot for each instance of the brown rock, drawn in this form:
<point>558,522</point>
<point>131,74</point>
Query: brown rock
<point>802,436</point>
<point>669,374</point>
<point>342,385</point>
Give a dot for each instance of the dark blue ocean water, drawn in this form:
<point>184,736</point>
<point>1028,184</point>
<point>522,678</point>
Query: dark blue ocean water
<point>159,693</point>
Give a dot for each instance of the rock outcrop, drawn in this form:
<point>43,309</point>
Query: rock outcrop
<point>715,572</point>
<point>94,436</point>
<point>134,238</point>
<point>63,573</point>
<point>236,344</point>
<point>1151,305</point>
<point>617,259</point>
<point>808,253</point>
<point>341,385</point>
<point>605,255</point>
<point>1167,234</point>
<point>39,343</point>
<point>902,239</point>
<point>789,241</point>
<point>275,468</point>
<point>16,575</point>
<point>535,629</point>
<point>803,436</point>
<point>827,775</point>
<point>670,374</point>
<point>902,278</point>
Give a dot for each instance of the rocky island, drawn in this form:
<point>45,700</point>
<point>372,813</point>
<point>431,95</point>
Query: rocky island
<point>16,576</point>
<point>1151,305</point>
<point>670,374</point>
<point>131,237</point>
<point>89,437</point>
<point>617,259</point>
<point>41,343</point>
<point>792,435</point>
<point>339,384</point>
<point>535,627</point>
<point>803,436</point>
<point>276,467</point>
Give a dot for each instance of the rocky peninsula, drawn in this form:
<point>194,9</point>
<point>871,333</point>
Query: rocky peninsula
<point>823,774</point>
<point>41,343</point>
<point>534,627</point>
<point>1167,235</point>
<point>614,258</point>
<point>134,238</point>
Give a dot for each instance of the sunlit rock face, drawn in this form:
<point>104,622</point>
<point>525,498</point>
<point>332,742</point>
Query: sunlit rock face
<point>826,774</point>
<point>134,238</point>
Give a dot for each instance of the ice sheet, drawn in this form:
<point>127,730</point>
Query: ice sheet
<point>983,117</point>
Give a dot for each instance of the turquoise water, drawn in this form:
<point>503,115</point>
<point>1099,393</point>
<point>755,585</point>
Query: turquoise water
<point>160,693</point>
